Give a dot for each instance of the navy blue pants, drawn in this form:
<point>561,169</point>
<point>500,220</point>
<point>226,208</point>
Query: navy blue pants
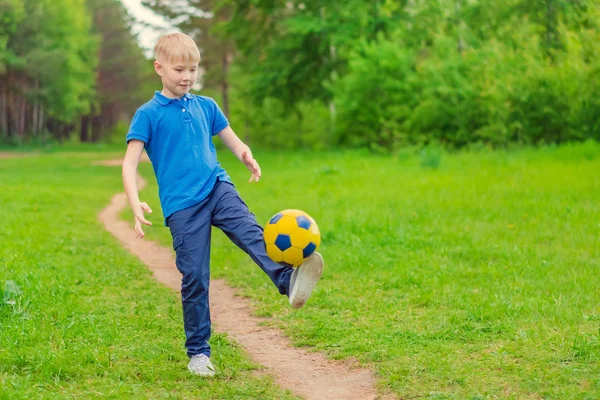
<point>191,231</point>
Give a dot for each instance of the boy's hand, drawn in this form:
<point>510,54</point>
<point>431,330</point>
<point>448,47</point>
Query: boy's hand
<point>140,219</point>
<point>252,166</point>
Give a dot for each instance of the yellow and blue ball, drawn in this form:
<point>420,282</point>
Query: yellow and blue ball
<point>291,236</point>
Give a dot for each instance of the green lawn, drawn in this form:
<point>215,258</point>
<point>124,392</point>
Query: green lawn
<point>79,316</point>
<point>475,279</point>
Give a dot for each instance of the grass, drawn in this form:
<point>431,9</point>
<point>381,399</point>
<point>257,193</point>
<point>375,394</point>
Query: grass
<point>453,276</point>
<point>472,277</point>
<point>79,316</point>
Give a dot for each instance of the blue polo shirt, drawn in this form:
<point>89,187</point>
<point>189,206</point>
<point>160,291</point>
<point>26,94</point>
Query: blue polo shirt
<point>178,139</point>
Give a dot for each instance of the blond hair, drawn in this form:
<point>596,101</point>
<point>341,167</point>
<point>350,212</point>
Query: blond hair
<point>176,46</point>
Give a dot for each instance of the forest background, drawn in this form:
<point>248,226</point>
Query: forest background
<point>312,74</point>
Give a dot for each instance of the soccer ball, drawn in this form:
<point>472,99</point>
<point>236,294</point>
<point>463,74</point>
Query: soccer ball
<point>290,237</point>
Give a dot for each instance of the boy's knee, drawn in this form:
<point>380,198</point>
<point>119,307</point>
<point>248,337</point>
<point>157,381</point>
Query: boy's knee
<point>195,280</point>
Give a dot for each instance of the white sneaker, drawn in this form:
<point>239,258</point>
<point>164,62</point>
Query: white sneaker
<point>200,365</point>
<point>304,278</point>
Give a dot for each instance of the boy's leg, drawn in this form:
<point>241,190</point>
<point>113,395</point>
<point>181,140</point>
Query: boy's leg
<point>232,216</point>
<point>191,230</point>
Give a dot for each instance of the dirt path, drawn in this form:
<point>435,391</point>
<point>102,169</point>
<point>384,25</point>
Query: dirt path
<point>309,375</point>
<point>8,154</point>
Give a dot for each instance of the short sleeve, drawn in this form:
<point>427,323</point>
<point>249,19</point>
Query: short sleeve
<point>219,121</point>
<point>140,127</point>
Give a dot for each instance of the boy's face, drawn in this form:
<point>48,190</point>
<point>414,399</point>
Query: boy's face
<point>177,77</point>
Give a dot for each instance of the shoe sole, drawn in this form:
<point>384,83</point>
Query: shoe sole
<point>207,374</point>
<point>307,278</point>
<point>204,374</point>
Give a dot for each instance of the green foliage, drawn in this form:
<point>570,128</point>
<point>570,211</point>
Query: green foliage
<point>11,12</point>
<point>375,96</point>
<point>374,74</point>
<point>453,72</point>
<point>269,124</point>
<point>54,47</point>
<point>489,92</point>
<point>69,66</point>
<point>291,49</point>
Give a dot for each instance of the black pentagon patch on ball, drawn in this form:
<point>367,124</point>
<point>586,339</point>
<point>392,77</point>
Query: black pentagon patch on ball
<point>303,222</point>
<point>276,218</point>
<point>283,242</point>
<point>309,249</point>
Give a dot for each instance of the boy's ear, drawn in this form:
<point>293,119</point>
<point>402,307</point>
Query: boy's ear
<point>158,68</point>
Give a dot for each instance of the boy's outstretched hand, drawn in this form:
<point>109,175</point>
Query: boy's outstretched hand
<point>140,219</point>
<point>252,166</point>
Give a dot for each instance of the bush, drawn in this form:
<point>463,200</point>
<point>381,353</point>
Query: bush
<point>494,93</point>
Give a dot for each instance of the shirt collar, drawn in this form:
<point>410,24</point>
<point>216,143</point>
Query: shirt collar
<point>164,100</point>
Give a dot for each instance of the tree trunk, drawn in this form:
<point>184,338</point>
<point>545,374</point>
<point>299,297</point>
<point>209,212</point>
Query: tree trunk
<point>4,109</point>
<point>36,112</point>
<point>34,119</point>
<point>85,125</point>
<point>42,125</point>
<point>10,111</point>
<point>22,114</point>
<point>225,82</point>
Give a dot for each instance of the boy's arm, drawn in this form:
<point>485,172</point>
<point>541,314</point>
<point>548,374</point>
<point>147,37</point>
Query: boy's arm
<point>241,151</point>
<point>130,164</point>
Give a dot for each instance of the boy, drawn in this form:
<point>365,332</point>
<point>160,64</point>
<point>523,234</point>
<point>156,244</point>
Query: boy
<point>176,129</point>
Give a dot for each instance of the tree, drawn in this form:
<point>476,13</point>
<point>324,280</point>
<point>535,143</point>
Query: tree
<point>12,13</point>
<point>122,69</point>
<point>49,73</point>
<point>294,49</point>
<point>200,19</point>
